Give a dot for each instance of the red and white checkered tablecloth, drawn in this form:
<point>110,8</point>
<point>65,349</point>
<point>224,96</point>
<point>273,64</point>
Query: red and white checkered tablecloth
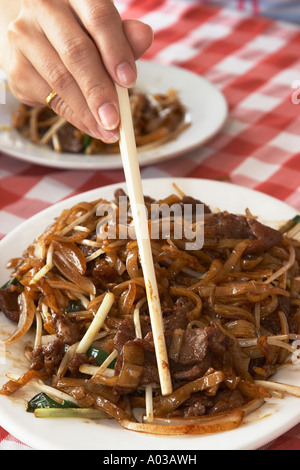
<point>255,62</point>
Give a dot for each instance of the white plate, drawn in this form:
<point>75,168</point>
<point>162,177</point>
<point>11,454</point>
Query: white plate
<point>272,420</point>
<point>207,112</point>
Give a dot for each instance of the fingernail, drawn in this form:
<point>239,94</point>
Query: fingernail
<point>126,74</point>
<point>109,116</point>
<point>110,137</point>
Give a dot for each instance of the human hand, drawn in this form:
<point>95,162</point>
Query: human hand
<point>78,48</point>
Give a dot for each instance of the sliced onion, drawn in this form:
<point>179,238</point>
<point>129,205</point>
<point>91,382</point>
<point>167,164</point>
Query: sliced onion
<point>204,425</point>
<point>176,343</point>
<point>280,387</point>
<point>285,267</point>
<point>253,405</point>
<point>27,314</point>
<point>253,391</point>
<point>72,275</point>
<point>49,294</point>
<point>66,359</point>
<point>241,329</point>
<point>126,300</point>
<point>189,420</point>
<point>132,265</point>
<point>72,254</point>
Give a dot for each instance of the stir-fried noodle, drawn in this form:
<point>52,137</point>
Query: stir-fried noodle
<point>231,314</point>
<point>157,118</point>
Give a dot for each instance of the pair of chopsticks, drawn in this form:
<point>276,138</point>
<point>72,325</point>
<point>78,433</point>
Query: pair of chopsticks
<point>131,167</point>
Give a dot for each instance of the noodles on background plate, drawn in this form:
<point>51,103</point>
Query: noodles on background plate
<point>231,313</point>
<point>157,119</point>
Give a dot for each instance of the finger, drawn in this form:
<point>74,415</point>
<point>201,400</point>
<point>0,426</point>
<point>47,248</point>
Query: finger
<point>28,42</point>
<point>60,107</point>
<point>139,35</point>
<point>35,96</point>
<point>81,58</point>
<point>52,70</point>
<point>18,83</point>
<point>104,24</point>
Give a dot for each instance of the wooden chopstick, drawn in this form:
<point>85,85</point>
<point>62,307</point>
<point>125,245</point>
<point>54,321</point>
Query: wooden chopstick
<point>131,167</point>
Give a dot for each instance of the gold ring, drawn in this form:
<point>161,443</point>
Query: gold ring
<point>50,97</point>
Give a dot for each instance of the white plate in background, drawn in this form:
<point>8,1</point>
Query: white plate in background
<point>206,112</point>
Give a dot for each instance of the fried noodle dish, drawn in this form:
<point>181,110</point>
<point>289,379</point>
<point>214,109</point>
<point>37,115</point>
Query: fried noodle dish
<point>231,317</point>
<point>157,118</point>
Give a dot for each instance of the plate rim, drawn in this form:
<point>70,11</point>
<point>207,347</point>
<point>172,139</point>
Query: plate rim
<point>255,441</point>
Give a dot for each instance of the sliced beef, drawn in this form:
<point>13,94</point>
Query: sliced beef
<point>125,333</point>
<point>69,140</point>
<point>266,237</point>
<point>284,304</point>
<point>194,347</point>
<point>201,348</point>
<point>227,400</point>
<point>67,330</point>
<point>9,304</point>
<point>48,357</point>
<point>106,275</point>
<point>77,361</point>
<point>234,226</point>
<point>119,193</point>
<point>273,325</point>
<point>150,374</point>
<point>180,373</point>
<point>197,405</point>
<point>218,343</point>
<point>175,318</point>
<point>198,341</point>
<point>87,250</point>
<point>194,202</point>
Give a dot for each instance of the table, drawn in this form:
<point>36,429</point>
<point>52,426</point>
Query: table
<point>255,62</point>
